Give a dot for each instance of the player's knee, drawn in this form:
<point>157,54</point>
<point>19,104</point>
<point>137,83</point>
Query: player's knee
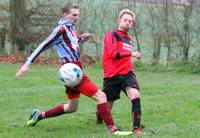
<point>137,94</point>
<point>70,108</point>
<point>73,109</point>
<point>100,97</point>
<point>133,93</point>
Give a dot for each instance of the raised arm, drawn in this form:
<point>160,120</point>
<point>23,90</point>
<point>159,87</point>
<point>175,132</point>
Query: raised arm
<point>51,40</point>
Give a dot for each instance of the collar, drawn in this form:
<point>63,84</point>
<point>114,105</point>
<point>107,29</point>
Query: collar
<point>63,21</point>
<point>121,31</point>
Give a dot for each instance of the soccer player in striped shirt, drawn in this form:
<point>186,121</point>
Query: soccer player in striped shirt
<point>118,69</point>
<point>66,40</point>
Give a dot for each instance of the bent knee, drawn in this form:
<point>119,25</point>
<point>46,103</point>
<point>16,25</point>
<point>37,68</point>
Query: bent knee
<point>73,109</point>
<point>133,93</point>
<point>100,97</point>
<point>136,94</point>
<point>69,108</point>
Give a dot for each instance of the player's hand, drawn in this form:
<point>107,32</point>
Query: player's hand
<point>23,70</point>
<point>137,54</point>
<point>86,36</point>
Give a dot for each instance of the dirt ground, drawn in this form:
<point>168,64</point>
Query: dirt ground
<point>87,61</point>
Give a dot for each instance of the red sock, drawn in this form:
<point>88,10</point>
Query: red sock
<point>55,111</point>
<point>104,112</point>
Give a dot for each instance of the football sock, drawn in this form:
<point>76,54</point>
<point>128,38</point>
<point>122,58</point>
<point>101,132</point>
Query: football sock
<point>104,112</point>
<point>55,111</point>
<point>136,112</point>
<point>98,116</point>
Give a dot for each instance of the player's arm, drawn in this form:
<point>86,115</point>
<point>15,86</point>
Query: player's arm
<point>137,54</point>
<point>51,40</point>
<point>110,43</point>
<point>84,37</point>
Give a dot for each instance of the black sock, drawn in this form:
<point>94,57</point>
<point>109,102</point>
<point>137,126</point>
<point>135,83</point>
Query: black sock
<point>136,112</point>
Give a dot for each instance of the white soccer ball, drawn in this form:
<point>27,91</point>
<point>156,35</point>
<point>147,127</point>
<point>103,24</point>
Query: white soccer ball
<point>70,74</point>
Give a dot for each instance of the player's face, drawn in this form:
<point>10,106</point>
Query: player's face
<point>125,22</point>
<point>73,16</point>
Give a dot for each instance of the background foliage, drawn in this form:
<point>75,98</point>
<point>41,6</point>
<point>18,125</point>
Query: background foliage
<point>167,31</point>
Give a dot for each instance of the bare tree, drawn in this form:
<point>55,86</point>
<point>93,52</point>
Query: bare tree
<point>3,25</point>
<point>2,39</point>
<point>136,26</point>
<point>30,23</point>
<point>18,24</point>
<point>186,43</point>
<point>93,20</point>
<point>167,33</point>
<point>155,27</point>
<point>183,29</point>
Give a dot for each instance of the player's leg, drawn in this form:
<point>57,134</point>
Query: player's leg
<point>111,103</point>
<point>134,96</point>
<point>89,89</point>
<point>132,91</point>
<point>70,107</point>
<point>112,88</point>
<point>104,111</point>
<point>98,117</point>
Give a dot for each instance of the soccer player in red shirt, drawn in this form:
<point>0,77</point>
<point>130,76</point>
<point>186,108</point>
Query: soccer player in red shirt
<point>66,40</point>
<point>118,70</point>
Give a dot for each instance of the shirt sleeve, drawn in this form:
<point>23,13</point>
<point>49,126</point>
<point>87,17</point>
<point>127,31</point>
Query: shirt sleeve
<point>50,41</point>
<point>81,39</point>
<point>110,43</point>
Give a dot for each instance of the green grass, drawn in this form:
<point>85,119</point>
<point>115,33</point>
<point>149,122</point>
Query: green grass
<point>170,105</point>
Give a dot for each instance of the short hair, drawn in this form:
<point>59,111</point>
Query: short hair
<point>126,11</point>
<point>69,6</point>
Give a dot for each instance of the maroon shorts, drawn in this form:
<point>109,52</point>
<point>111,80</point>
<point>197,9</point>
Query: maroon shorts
<point>86,87</point>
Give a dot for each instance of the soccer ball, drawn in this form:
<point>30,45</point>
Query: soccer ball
<point>70,74</point>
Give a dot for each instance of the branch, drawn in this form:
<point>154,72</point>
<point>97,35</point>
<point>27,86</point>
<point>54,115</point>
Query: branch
<point>4,8</point>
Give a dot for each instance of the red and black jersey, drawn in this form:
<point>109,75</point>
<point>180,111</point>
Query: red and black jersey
<point>116,58</point>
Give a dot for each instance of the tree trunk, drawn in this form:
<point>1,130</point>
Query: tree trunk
<point>2,39</point>
<point>155,32</point>
<point>167,33</point>
<point>136,27</point>
<point>169,55</point>
<point>188,9</point>
<point>156,49</point>
<point>186,44</point>
<point>185,54</point>
<point>17,24</point>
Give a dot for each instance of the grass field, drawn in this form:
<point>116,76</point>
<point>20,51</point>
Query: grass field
<point>170,105</point>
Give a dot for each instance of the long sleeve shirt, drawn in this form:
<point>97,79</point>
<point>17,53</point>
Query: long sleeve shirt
<point>117,53</point>
<point>66,40</point>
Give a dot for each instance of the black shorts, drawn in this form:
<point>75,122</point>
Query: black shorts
<point>113,86</point>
